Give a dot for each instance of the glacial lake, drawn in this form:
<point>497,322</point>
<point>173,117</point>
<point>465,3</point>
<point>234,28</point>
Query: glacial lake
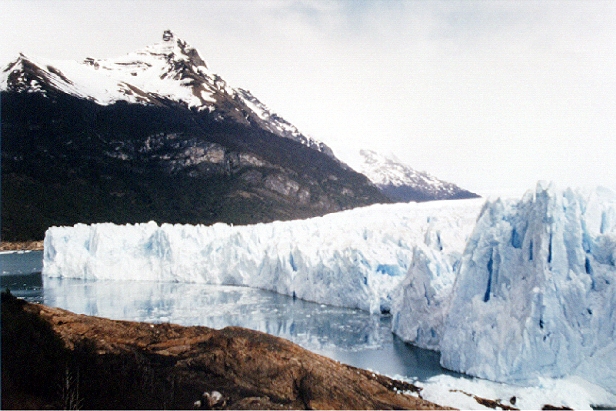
<point>350,336</point>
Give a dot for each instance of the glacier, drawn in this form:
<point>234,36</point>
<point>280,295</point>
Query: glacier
<point>420,303</point>
<point>355,258</point>
<point>535,292</point>
<point>510,290</point>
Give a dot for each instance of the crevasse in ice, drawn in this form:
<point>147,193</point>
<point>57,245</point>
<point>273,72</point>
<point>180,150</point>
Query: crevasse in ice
<point>535,294</point>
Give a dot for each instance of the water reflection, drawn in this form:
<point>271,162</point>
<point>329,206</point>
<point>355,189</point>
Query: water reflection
<point>314,326</point>
<point>28,286</point>
<point>350,336</point>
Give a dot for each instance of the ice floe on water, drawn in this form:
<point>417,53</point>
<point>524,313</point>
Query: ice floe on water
<point>472,393</point>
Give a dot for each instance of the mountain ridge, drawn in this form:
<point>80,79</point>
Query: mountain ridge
<point>167,72</point>
<point>400,182</point>
<point>154,135</point>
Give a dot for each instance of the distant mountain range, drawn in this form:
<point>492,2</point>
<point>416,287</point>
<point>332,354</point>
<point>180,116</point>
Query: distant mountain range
<point>155,135</point>
<point>400,182</point>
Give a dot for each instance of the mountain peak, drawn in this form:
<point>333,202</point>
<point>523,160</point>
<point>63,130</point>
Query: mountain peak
<point>169,71</point>
<point>168,35</point>
<point>174,49</point>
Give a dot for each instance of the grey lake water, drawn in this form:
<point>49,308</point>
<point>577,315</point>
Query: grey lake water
<point>350,336</point>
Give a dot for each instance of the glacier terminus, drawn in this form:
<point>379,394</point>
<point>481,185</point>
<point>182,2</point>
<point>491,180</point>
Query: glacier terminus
<point>507,290</point>
<point>535,294</point>
<point>353,259</point>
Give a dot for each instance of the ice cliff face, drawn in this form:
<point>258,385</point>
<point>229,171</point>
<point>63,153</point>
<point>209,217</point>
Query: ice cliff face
<point>421,301</point>
<point>355,258</point>
<point>526,290</point>
<point>536,294</point>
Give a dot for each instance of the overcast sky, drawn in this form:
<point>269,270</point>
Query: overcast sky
<point>490,95</point>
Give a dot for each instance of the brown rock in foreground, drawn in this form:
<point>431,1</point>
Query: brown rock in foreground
<point>52,358</point>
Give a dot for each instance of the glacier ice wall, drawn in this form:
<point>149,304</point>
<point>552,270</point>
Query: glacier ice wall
<point>527,290</point>
<point>421,301</point>
<point>354,258</point>
<point>536,290</point>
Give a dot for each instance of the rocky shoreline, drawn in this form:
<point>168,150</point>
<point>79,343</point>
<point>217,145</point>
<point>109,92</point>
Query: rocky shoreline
<point>21,245</point>
<point>52,358</point>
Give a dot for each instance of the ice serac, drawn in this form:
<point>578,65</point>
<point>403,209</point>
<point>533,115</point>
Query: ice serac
<point>535,294</point>
<point>420,302</point>
<point>355,258</point>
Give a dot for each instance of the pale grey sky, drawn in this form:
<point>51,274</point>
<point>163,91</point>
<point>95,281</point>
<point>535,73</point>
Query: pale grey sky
<point>491,95</point>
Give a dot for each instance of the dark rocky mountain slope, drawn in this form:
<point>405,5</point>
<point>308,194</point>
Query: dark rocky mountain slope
<point>185,148</point>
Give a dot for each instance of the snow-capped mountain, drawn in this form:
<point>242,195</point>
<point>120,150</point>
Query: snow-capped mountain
<point>167,72</point>
<point>400,182</point>
<point>155,135</point>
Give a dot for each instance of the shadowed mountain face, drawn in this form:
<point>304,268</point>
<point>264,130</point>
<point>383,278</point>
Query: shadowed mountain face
<point>81,143</point>
<point>67,160</point>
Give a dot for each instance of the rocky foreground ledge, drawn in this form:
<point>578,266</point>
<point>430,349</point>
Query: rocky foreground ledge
<point>52,358</point>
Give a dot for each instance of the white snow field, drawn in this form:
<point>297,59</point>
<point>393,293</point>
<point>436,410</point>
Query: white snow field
<point>354,258</point>
<point>535,295</point>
